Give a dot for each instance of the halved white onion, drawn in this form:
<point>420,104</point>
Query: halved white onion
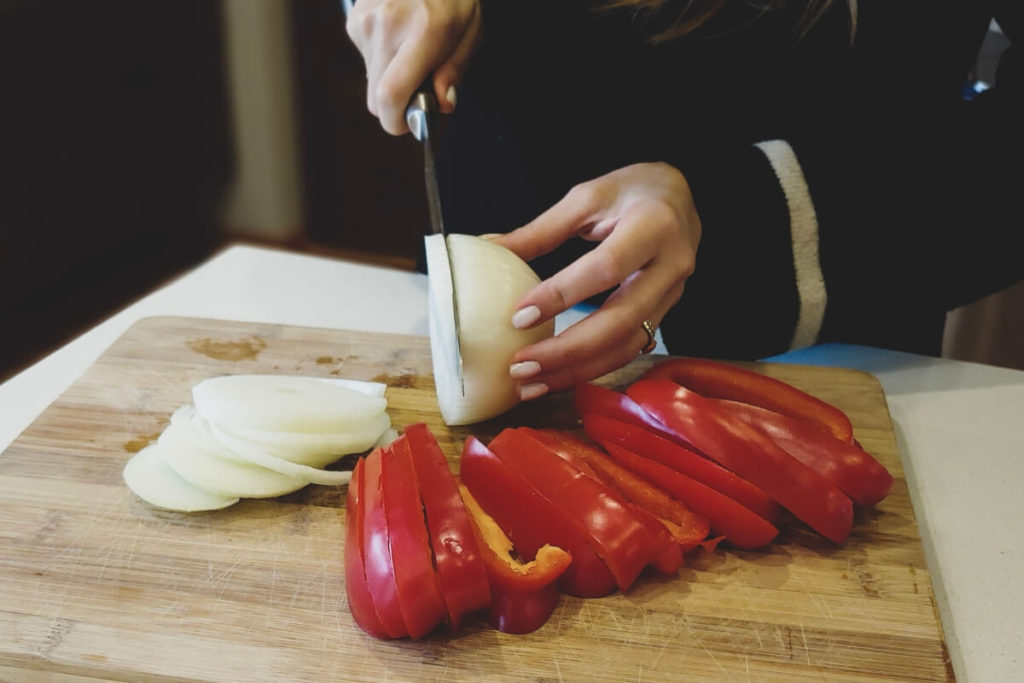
<point>201,461</point>
<point>284,403</point>
<point>149,476</point>
<point>488,281</point>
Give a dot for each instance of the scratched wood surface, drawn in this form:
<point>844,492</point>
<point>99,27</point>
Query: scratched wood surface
<point>95,584</point>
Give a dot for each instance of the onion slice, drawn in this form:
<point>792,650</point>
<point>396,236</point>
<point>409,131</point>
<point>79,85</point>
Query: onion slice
<point>203,462</point>
<point>488,280</point>
<point>242,451</point>
<point>306,448</point>
<point>284,403</point>
<point>149,477</point>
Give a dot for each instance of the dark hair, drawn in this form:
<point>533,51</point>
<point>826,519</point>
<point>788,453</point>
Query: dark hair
<point>671,19</point>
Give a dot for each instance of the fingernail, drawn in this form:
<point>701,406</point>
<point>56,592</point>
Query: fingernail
<point>490,236</point>
<point>531,391</point>
<point>451,96</point>
<point>524,369</point>
<point>525,317</point>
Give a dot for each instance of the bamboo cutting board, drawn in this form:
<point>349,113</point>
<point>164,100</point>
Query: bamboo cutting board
<point>97,584</point>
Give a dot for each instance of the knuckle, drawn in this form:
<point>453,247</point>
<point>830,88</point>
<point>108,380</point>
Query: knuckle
<point>359,24</point>
<point>438,26</point>
<point>565,356</point>
<point>663,217</point>
<point>391,17</point>
<point>608,268</point>
<point>683,263</point>
<point>557,295</point>
<point>387,92</point>
<point>585,194</point>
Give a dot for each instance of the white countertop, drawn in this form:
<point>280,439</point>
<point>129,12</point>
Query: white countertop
<point>958,425</point>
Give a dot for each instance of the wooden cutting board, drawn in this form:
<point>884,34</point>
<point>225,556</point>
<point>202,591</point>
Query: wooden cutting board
<point>97,584</point>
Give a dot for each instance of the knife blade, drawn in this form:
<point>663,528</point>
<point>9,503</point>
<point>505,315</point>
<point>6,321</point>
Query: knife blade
<point>421,116</point>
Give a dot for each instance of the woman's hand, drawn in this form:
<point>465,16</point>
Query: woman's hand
<point>649,230</point>
<point>403,42</point>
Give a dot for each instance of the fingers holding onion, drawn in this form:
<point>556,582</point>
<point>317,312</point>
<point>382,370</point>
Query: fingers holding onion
<point>487,281</point>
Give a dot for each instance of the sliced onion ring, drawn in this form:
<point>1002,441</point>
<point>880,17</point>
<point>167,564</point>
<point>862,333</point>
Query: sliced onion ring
<point>239,449</point>
<point>284,403</point>
<point>149,477</point>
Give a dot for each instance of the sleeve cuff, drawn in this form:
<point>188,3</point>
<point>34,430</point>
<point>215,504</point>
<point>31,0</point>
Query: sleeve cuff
<point>803,226</point>
<point>758,288</point>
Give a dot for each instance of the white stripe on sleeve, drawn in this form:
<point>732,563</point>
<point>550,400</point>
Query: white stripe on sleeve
<point>803,222</point>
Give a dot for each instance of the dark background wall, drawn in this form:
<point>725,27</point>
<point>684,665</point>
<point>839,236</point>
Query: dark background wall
<point>116,154</point>
<point>113,155</point>
<point>364,188</point>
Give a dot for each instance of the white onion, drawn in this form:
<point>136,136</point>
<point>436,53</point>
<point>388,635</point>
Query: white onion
<point>243,451</point>
<point>284,403</point>
<point>488,281</point>
<point>149,476</point>
<point>389,435</point>
<point>315,449</point>
<point>201,461</point>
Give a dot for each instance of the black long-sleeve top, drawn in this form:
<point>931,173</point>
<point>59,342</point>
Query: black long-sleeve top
<point>847,191</point>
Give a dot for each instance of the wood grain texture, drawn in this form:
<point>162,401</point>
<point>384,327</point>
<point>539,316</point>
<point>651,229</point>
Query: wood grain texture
<point>96,584</point>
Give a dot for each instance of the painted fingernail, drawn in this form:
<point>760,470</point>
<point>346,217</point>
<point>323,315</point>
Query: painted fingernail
<point>531,391</point>
<point>451,96</point>
<point>524,369</point>
<point>525,317</point>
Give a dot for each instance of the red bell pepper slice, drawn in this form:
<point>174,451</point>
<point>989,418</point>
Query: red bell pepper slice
<point>671,537</point>
<point>850,468</point>
<point>668,452</point>
<point>359,601</point>
<point>460,568</point>
<point>740,526</point>
<point>712,379</point>
<point>750,454</point>
<point>531,521</point>
<point>597,400</point>
<point>513,612</point>
<point>523,593</point>
<point>419,590</point>
<point>687,528</point>
<point>620,536</point>
<point>378,565</point>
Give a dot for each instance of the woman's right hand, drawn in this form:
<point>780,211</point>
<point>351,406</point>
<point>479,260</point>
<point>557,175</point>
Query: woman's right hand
<point>403,42</point>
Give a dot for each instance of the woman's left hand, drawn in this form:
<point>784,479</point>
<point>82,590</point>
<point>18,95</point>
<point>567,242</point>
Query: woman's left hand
<point>649,230</point>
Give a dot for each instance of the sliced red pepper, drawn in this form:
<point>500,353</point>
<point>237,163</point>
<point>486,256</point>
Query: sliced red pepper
<point>377,561</point>
<point>359,601</point>
<point>850,468</point>
<point>531,521</point>
<point>670,558</point>
<point>712,379</point>
<point>687,528</point>
<point>523,593</point>
<point>419,590</point>
<point>598,400</point>
<point>512,612</point>
<point>460,567</point>
<point>620,536</point>
<point>741,527</point>
<point>668,452</point>
<point>750,454</point>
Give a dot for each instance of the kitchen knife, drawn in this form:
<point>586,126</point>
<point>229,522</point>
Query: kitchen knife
<point>421,116</point>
